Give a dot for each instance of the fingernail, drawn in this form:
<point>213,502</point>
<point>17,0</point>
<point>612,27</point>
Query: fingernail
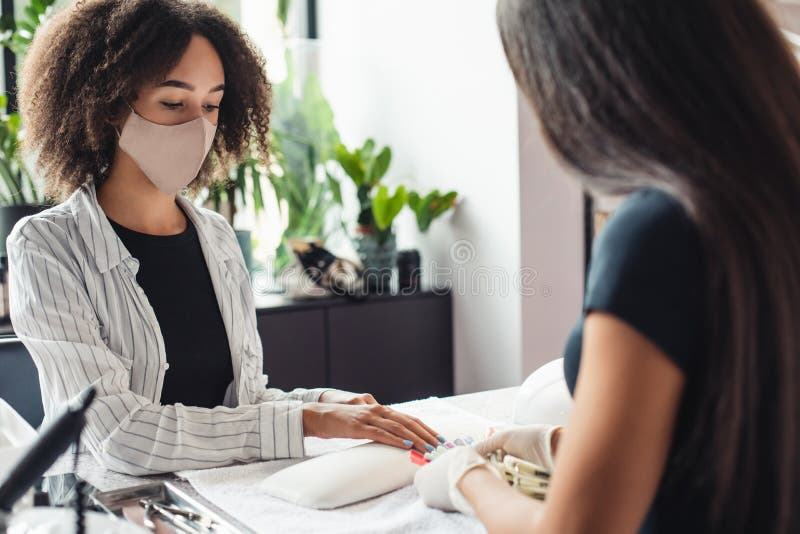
<point>429,447</point>
<point>449,445</point>
<point>408,442</point>
<point>441,438</point>
<point>459,442</point>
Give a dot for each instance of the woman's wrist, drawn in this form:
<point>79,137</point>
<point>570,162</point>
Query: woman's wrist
<point>472,482</point>
<point>312,416</point>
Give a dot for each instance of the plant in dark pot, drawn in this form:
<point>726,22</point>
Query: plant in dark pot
<point>426,209</point>
<point>19,195</point>
<point>244,180</point>
<point>375,240</point>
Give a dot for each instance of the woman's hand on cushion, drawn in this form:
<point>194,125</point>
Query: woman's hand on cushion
<point>337,396</point>
<point>368,421</point>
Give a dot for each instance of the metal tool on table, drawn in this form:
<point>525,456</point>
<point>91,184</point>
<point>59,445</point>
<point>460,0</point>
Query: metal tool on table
<point>164,503</point>
<point>147,519</point>
<point>183,520</point>
<point>203,521</point>
<point>151,508</point>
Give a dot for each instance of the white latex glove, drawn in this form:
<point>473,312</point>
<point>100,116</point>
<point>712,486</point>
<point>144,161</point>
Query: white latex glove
<point>533,443</point>
<point>436,481</point>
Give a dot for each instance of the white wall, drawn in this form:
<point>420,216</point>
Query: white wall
<point>551,227</point>
<point>429,78</point>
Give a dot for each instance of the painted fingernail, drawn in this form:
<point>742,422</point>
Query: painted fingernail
<point>408,442</point>
<point>459,442</point>
<point>441,438</point>
<point>449,445</point>
<point>469,439</point>
<point>429,447</point>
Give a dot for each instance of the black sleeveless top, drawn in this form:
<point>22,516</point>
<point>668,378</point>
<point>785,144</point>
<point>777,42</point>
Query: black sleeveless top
<point>647,268</point>
<point>174,276</point>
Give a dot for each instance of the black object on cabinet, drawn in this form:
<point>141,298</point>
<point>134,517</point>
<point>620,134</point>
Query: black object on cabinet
<point>397,347</point>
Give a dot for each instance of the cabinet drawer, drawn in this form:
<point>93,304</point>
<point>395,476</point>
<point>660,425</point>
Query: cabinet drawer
<point>398,349</point>
<point>294,348</point>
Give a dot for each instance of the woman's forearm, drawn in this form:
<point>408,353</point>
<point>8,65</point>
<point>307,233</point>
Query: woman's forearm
<point>500,508</point>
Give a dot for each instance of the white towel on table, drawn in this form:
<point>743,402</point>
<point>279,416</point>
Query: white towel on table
<point>235,490</point>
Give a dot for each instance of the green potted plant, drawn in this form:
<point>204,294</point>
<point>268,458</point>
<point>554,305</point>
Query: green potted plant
<point>430,207</point>
<point>375,239</point>
<point>244,179</point>
<point>19,195</point>
<point>302,141</point>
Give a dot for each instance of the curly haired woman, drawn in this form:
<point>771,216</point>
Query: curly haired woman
<point>129,286</point>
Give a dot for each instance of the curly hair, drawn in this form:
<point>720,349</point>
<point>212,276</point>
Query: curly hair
<point>88,61</point>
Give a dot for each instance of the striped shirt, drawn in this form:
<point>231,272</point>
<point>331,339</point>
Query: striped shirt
<point>76,306</point>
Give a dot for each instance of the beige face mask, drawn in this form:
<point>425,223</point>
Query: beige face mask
<point>169,155</point>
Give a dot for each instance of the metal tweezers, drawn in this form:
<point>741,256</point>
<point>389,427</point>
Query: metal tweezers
<point>184,520</point>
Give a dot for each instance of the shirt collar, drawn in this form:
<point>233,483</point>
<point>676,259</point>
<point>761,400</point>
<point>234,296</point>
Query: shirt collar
<point>104,244</point>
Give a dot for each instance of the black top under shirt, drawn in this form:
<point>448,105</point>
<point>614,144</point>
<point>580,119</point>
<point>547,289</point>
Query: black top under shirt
<point>648,269</point>
<point>174,275</point>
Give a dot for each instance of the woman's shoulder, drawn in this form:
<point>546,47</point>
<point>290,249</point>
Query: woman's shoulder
<point>649,229</point>
<point>46,229</point>
<point>649,218</point>
<point>648,268</point>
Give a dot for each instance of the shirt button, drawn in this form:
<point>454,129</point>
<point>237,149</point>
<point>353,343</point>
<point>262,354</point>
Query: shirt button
<point>165,366</point>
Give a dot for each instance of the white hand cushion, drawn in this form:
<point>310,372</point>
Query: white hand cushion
<point>343,477</point>
<point>366,471</point>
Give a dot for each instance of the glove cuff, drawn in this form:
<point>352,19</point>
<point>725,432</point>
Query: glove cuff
<point>457,471</point>
<point>549,458</point>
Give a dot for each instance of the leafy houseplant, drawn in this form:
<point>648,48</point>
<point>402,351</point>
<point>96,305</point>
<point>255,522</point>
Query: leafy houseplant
<point>19,195</point>
<point>247,172</point>
<point>430,207</point>
<point>378,207</point>
<point>366,169</point>
<point>375,239</point>
<point>302,140</point>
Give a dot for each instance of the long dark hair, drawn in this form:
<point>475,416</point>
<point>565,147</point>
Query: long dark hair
<point>701,99</point>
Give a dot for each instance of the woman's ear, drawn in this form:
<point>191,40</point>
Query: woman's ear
<point>116,124</point>
<point>117,118</point>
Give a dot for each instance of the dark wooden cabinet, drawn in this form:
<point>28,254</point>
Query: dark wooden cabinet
<point>294,347</point>
<point>397,347</point>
